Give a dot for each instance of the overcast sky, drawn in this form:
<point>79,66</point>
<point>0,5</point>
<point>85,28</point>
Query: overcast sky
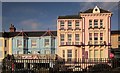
<point>43,15</point>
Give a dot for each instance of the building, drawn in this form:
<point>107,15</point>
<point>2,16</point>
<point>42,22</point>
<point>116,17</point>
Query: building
<point>28,43</point>
<point>86,35</point>
<point>115,39</point>
<point>115,42</point>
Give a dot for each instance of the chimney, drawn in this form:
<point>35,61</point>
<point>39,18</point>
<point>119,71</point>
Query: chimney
<point>12,28</point>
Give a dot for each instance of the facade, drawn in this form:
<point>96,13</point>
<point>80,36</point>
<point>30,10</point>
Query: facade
<point>28,44</point>
<point>4,45</point>
<point>42,42</point>
<point>115,42</point>
<point>86,35</point>
<point>115,39</point>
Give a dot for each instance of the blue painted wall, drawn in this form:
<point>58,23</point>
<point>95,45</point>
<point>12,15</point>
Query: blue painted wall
<point>40,48</point>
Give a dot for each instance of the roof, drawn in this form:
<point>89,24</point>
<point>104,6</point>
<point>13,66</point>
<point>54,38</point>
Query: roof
<point>69,17</point>
<point>29,34</point>
<point>115,32</point>
<point>91,11</point>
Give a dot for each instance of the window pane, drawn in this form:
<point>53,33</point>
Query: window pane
<point>95,23</point>
<point>77,37</point>
<point>90,23</point>
<point>69,23</point>
<point>62,37</point>
<point>95,36</point>
<point>77,23</point>
<point>96,54</point>
<point>101,54</point>
<point>90,54</point>
<point>90,36</point>
<point>19,43</point>
<point>46,42</point>
<point>33,43</point>
<point>119,38</point>
<point>69,37</point>
<point>101,23</point>
<point>62,24</point>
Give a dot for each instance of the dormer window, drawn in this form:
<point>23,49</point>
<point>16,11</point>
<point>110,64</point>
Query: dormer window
<point>96,10</point>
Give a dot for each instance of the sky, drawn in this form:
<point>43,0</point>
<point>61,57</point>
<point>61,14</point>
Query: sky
<point>43,15</point>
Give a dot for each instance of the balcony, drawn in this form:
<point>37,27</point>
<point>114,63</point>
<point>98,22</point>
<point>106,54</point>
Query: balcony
<point>96,42</point>
<point>69,43</point>
<point>62,28</point>
<point>90,43</point>
<point>62,43</point>
<point>90,27</point>
<point>77,28</point>
<point>101,42</point>
<point>69,28</point>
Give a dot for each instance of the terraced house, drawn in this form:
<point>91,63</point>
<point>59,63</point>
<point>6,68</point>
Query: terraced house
<point>27,44</point>
<point>85,35</point>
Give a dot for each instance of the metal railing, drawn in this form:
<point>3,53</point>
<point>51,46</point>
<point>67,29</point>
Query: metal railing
<point>59,65</point>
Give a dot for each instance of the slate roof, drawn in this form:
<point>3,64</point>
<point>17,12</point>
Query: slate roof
<point>70,17</point>
<point>115,32</point>
<point>91,11</point>
<point>28,34</point>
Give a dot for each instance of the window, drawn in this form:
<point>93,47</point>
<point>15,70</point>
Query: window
<point>95,23</point>
<point>5,53</point>
<point>76,55</point>
<point>63,53</point>
<point>61,24</point>
<point>69,55</point>
<point>77,24</point>
<point>1,43</point>
<point>77,37</point>
<point>69,24</point>
<point>90,23</point>
<point>33,43</point>
<point>96,54</point>
<point>90,36</point>
<point>95,38</point>
<point>17,52</point>
<point>47,51</point>
<point>101,23</point>
<point>69,39</point>
<point>101,36</point>
<point>62,39</point>
<point>118,46</point>
<point>101,54</point>
<point>25,43</point>
<point>46,42</point>
<point>90,54</point>
<point>119,38</point>
<point>5,43</point>
<point>19,43</point>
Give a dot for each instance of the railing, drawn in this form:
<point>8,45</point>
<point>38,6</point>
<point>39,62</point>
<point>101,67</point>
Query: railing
<point>56,65</point>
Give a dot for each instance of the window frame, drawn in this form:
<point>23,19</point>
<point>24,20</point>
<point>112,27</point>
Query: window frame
<point>90,23</point>
<point>46,42</point>
<point>96,23</point>
<point>33,43</point>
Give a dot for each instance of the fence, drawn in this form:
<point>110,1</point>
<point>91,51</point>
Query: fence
<point>60,66</point>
